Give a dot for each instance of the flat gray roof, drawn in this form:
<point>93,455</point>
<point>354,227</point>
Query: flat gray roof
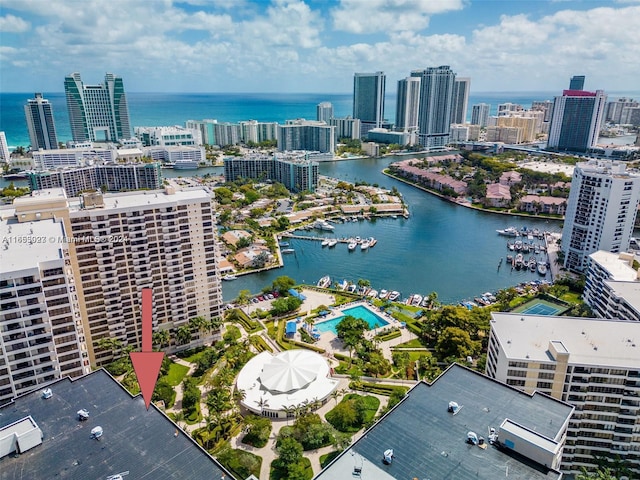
<point>143,198</point>
<point>429,442</point>
<point>144,442</point>
<point>25,245</point>
<point>630,291</point>
<point>589,341</point>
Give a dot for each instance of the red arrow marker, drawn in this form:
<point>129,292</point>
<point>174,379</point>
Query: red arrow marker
<point>147,363</point>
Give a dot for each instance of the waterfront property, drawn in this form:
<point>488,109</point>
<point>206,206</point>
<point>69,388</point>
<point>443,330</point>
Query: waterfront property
<point>359,311</point>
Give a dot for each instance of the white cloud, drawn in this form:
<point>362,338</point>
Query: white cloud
<point>370,16</point>
<point>12,24</point>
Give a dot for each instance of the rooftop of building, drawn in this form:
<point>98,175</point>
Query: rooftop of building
<point>430,442</point>
<point>618,266</point>
<point>630,291</point>
<point>143,442</point>
<point>143,198</point>
<point>28,244</point>
<point>589,341</point>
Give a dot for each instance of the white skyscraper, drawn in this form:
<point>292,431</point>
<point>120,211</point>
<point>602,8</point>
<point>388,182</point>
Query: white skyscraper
<point>480,114</point>
<point>408,103</point>
<point>436,95</point>
<point>601,210</point>
<point>324,112</point>
<point>460,100</point>
<point>4,148</point>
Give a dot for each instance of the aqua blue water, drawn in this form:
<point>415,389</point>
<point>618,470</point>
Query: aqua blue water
<point>359,311</point>
<point>153,109</point>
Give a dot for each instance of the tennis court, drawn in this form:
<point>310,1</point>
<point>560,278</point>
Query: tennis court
<point>540,307</point>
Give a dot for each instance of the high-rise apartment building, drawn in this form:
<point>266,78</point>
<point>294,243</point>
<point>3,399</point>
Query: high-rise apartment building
<point>577,82</point>
<point>460,99</point>
<point>480,114</point>
<point>41,331</point>
<point>509,108</point>
<point>592,364</point>
<point>612,286</point>
<point>614,110</point>
<point>257,132</point>
<point>436,95</point>
<point>306,135</point>
<point>40,122</point>
<point>293,169</point>
<point>113,177</point>
<point>368,100</point>
<point>4,149</point>
<point>165,136</point>
<point>576,119</point>
<point>407,104</point>
<point>324,112</point>
<point>346,127</point>
<point>545,106</point>
<point>601,210</point>
<point>97,112</point>
<point>121,243</point>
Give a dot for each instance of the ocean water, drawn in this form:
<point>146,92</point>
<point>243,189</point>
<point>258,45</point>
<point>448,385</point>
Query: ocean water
<point>156,109</point>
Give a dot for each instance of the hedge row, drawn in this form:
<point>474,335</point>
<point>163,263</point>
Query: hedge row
<point>383,337</point>
<point>260,344</point>
<point>377,388</point>
<point>250,326</point>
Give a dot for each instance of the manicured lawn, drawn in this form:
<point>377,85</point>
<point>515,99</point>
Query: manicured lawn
<point>571,297</point>
<point>371,405</point>
<point>194,357</point>
<point>176,374</point>
<point>241,463</point>
<point>415,343</point>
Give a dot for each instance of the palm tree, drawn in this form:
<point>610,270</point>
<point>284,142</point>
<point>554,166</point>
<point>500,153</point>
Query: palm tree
<point>262,403</point>
<point>243,298</point>
<point>183,335</point>
<point>335,394</point>
<point>288,411</point>
<point>161,338</point>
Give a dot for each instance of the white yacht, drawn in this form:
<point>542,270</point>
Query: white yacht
<point>229,277</point>
<point>322,225</point>
<point>352,246</point>
<point>324,282</point>
<point>393,296</point>
<point>332,243</point>
<point>364,245</point>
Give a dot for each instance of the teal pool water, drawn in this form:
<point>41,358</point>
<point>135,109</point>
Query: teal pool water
<point>359,312</point>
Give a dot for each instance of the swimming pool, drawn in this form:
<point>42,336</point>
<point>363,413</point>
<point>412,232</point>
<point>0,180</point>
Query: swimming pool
<point>359,312</point>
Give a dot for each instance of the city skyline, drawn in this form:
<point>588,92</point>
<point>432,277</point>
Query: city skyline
<point>297,46</point>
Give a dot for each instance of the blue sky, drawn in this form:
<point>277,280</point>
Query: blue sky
<point>317,45</point>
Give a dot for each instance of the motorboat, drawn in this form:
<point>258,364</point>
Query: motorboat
<point>332,243</point>
<point>364,245</point>
<point>372,242</point>
<point>229,277</point>
<point>342,285</point>
<point>393,296</point>
<point>288,250</point>
<point>325,242</point>
<point>372,293</point>
<point>352,246</point>
<point>542,268</point>
<point>383,293</point>
<point>324,282</point>
<point>322,225</point>
<point>509,232</point>
<point>417,300</point>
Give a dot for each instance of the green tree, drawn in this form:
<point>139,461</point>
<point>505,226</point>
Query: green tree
<point>351,331</point>
<point>599,474</point>
<point>283,283</point>
<point>289,452</point>
<point>161,338</point>
<point>284,305</point>
<point>183,334</point>
<point>223,195</point>
<point>454,342</point>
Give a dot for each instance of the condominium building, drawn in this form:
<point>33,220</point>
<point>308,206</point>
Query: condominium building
<point>614,110</point>
<point>40,122</point>
<point>612,286</point>
<point>41,331</point>
<point>383,135</point>
<point>257,132</point>
<point>97,112</point>
<point>109,178</point>
<point>346,127</point>
<point>324,112</point>
<point>368,100</point>
<point>509,108</point>
<point>408,104</point>
<point>480,114</point>
<point>526,124</point>
<point>165,136</point>
<point>460,99</point>
<point>72,157</point>
<point>545,106</point>
<point>293,169</point>
<point>576,119</point>
<point>435,110</point>
<point>464,133</point>
<point>121,243</point>
<point>309,135</point>
<point>601,211</point>
<point>511,135</point>
<point>4,149</point>
<point>590,363</point>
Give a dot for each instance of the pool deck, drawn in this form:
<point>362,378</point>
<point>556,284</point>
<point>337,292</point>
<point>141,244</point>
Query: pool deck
<point>331,343</point>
